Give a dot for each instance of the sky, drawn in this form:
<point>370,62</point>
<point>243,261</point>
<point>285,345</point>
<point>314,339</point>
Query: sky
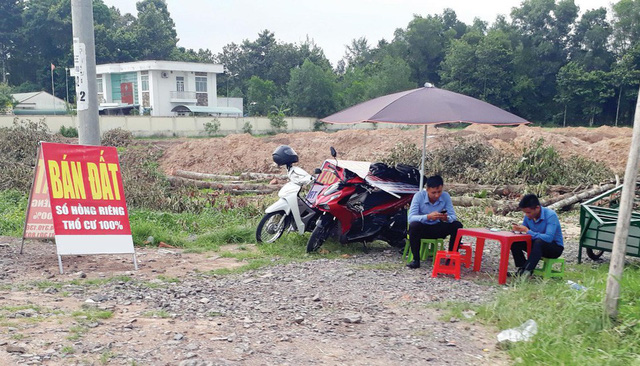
<point>331,24</point>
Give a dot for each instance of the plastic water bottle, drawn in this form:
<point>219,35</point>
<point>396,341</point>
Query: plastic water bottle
<point>576,286</point>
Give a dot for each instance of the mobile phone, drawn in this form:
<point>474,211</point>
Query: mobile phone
<point>443,211</point>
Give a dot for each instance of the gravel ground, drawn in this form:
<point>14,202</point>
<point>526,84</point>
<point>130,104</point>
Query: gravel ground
<point>366,309</point>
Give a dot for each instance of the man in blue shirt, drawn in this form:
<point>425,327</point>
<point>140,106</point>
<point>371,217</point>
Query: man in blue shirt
<point>546,235</point>
<point>431,216</point>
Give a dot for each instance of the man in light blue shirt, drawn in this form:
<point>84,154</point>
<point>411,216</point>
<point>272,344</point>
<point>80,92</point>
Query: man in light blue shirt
<point>431,216</point>
<point>546,235</point>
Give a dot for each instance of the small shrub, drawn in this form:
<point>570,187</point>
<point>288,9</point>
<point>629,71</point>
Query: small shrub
<point>276,118</point>
<point>475,161</point>
<point>69,131</point>
<point>247,128</point>
<point>147,187</point>
<point>212,128</point>
<point>319,126</point>
<point>117,137</point>
<point>18,148</point>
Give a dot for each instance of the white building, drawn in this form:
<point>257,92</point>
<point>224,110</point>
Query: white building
<point>38,103</point>
<point>162,88</point>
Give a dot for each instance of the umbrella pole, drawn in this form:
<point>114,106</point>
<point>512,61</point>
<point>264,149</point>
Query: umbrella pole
<point>424,149</point>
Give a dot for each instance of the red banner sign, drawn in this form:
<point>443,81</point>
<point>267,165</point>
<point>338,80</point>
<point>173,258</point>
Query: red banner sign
<point>85,189</point>
<point>39,223</point>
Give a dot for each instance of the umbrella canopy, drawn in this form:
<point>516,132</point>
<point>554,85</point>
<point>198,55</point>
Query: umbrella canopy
<point>423,106</point>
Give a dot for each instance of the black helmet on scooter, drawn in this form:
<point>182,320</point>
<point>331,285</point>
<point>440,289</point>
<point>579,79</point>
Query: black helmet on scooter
<point>284,155</point>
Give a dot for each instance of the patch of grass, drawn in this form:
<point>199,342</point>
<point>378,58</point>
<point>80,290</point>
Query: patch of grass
<point>77,332</point>
<point>13,208</point>
<point>67,350</point>
<point>105,357</point>
<point>95,282</point>
<point>17,336</point>
<point>13,309</point>
<point>572,329</point>
<point>157,314</point>
<point>153,284</point>
<point>91,314</point>
<point>168,279</point>
<point>43,285</point>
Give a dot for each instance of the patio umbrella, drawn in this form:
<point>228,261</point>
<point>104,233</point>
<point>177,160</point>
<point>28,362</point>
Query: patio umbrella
<point>425,106</point>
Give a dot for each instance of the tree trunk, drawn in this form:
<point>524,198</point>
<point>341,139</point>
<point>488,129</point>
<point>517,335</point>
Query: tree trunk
<point>586,194</point>
<point>261,176</point>
<point>505,190</point>
<point>618,105</point>
<point>204,176</point>
<point>225,186</point>
<point>616,266</point>
<point>564,120</point>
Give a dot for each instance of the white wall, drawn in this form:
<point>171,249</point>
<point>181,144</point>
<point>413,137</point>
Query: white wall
<point>231,102</point>
<point>145,126</point>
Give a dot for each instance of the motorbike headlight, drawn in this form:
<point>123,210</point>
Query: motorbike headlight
<point>332,189</point>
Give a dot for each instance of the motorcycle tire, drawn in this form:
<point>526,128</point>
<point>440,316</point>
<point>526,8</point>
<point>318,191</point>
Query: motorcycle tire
<point>594,254</point>
<point>318,236</point>
<point>272,226</point>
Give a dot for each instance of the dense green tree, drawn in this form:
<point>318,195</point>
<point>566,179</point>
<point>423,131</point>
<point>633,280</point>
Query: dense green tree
<point>626,24</point>
<point>6,100</point>
<point>358,53</point>
<point>544,27</point>
<point>10,23</point>
<point>312,90</point>
<point>495,69</point>
<point>260,96</point>
<point>426,40</point>
<point>155,31</point>
<point>388,76</point>
<point>587,90</point>
<point>589,43</point>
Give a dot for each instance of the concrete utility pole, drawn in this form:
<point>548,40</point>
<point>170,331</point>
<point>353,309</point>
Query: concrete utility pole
<point>84,56</point>
<point>616,265</point>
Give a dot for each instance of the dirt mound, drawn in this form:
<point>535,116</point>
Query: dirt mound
<point>245,153</point>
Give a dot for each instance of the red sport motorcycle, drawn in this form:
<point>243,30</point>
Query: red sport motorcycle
<point>354,210</point>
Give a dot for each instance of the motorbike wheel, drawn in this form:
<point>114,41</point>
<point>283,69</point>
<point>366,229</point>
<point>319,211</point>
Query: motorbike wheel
<point>594,254</point>
<point>272,226</point>
<point>318,237</point>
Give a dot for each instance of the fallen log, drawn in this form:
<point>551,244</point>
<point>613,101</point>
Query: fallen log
<point>581,196</point>
<point>262,188</point>
<point>261,176</point>
<point>203,176</point>
<point>501,190</point>
<point>472,201</point>
<point>562,201</point>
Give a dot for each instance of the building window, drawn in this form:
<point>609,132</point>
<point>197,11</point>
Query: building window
<point>201,84</point>
<point>144,80</point>
<point>180,83</point>
<point>99,84</point>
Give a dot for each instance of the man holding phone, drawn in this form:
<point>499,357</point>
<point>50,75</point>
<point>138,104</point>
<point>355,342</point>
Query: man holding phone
<point>431,216</point>
<point>546,235</point>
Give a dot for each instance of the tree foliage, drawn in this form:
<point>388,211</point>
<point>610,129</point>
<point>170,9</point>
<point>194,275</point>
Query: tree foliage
<point>549,61</point>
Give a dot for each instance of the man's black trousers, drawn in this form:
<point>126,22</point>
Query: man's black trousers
<point>418,230</point>
<point>539,249</point>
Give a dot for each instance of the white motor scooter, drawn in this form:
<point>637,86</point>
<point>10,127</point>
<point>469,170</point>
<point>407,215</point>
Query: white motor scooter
<point>291,210</point>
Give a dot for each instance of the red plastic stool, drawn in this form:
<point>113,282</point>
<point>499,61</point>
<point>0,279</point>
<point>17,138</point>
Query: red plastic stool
<point>466,257</point>
<point>452,268</point>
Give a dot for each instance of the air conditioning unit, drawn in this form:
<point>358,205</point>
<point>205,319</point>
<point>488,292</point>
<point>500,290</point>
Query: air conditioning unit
<point>164,75</point>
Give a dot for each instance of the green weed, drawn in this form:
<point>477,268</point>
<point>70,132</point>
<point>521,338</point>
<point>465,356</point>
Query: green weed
<point>572,329</point>
<point>158,314</point>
